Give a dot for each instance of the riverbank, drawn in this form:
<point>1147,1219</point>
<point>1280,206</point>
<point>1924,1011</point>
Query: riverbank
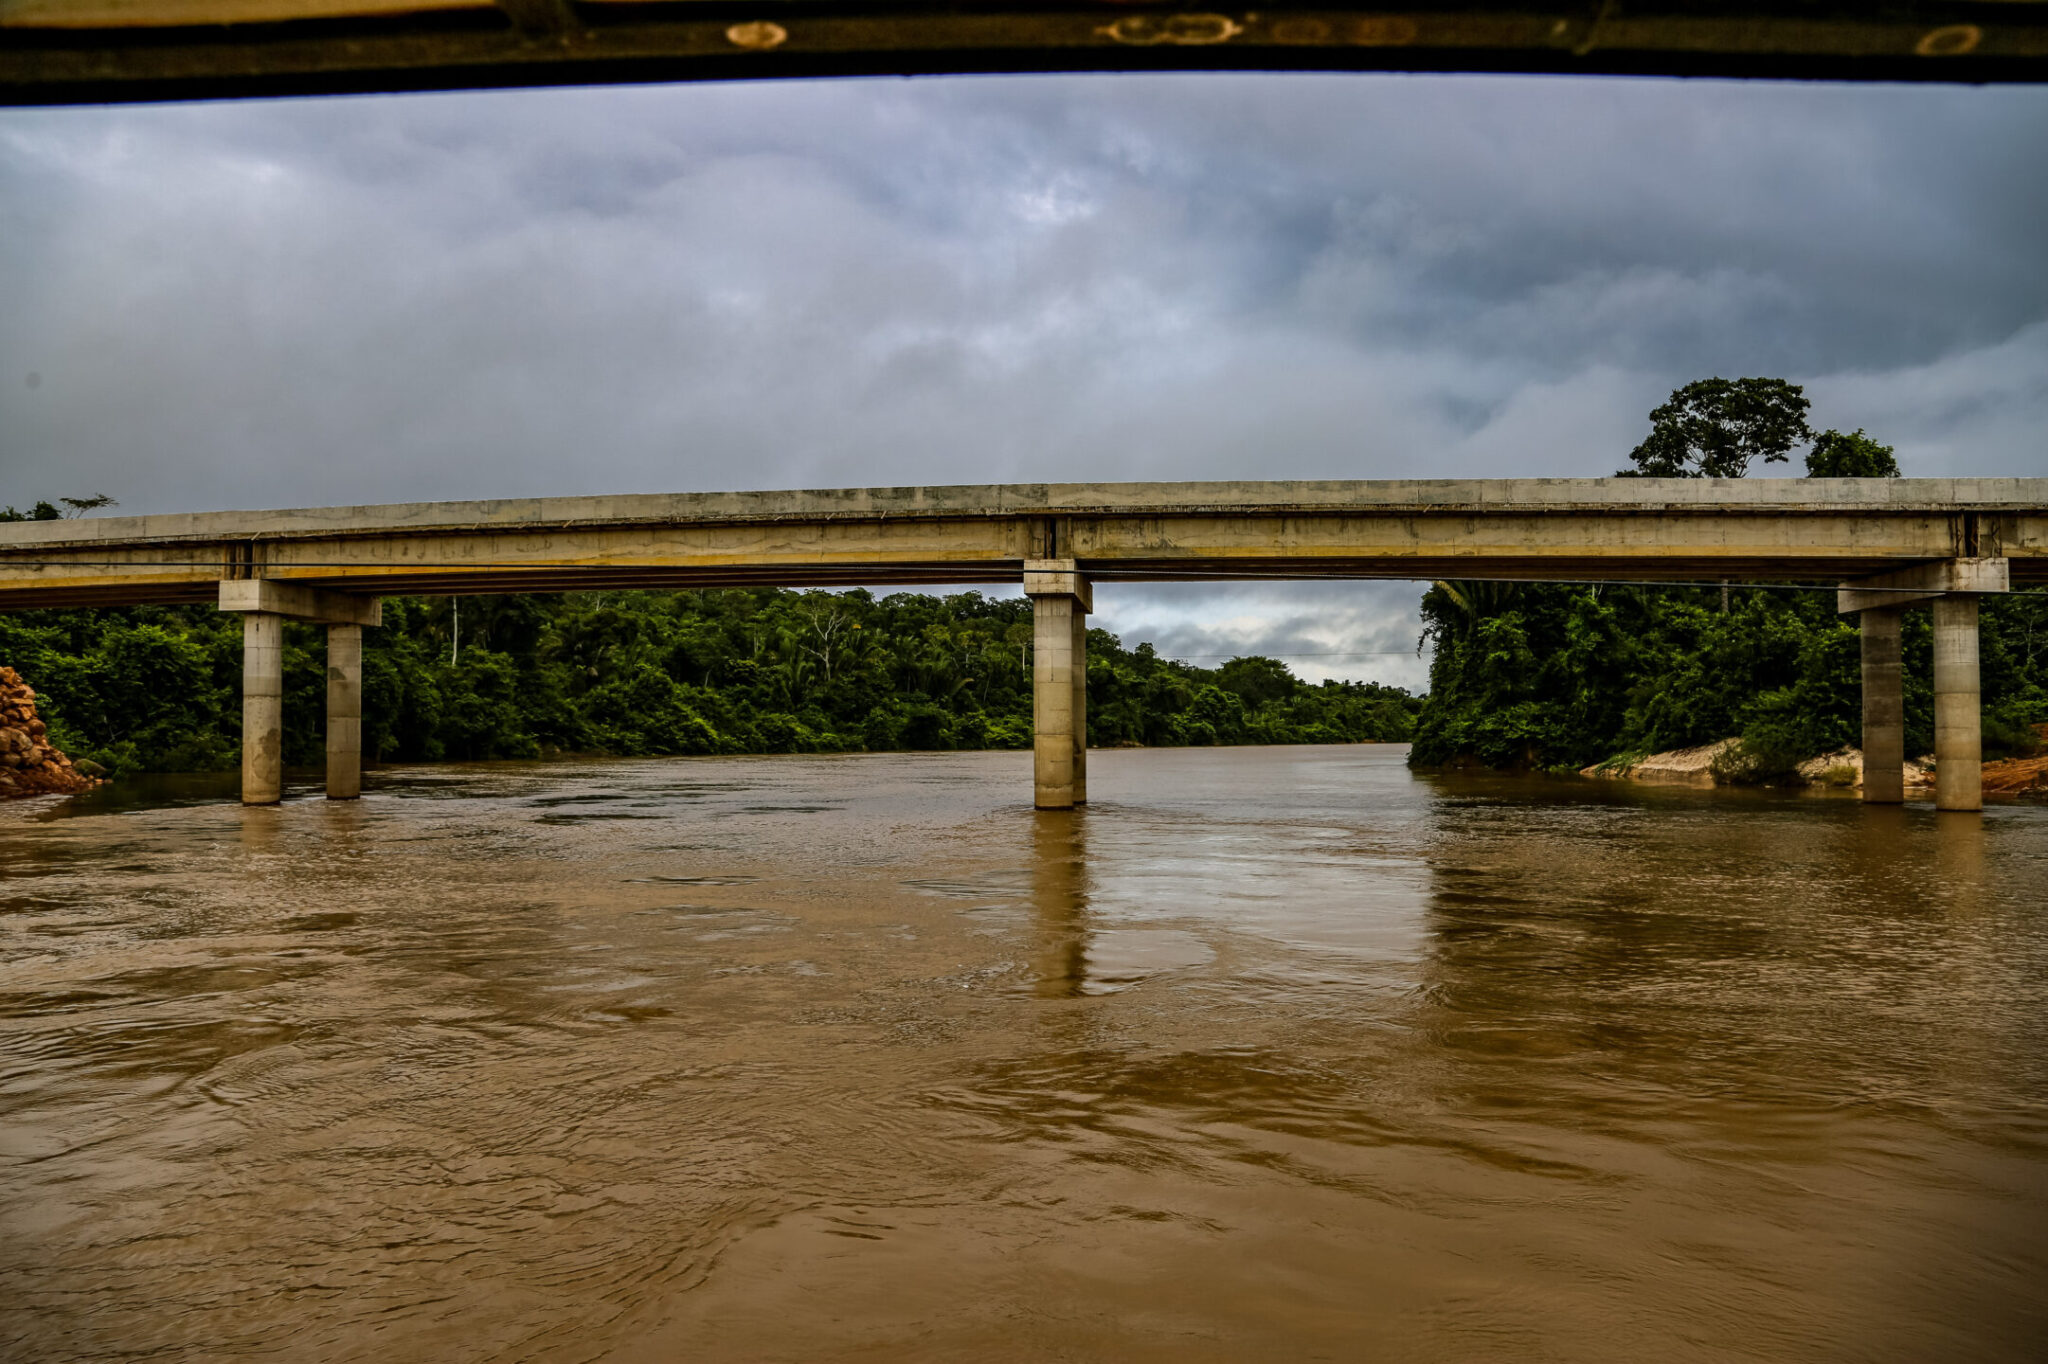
<point>1715,765</point>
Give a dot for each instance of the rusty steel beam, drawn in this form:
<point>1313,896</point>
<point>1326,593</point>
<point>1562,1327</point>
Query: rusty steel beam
<point>93,51</point>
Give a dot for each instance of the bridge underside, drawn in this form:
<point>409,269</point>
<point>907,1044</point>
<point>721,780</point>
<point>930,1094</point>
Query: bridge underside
<point>79,51</point>
<point>452,581</point>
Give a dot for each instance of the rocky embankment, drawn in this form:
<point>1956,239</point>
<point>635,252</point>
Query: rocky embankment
<point>30,764</point>
<point>1676,767</point>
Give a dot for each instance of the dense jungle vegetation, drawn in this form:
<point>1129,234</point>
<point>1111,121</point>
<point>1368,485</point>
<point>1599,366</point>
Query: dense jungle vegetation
<point>737,671</point>
<point>1553,676</point>
<point>1542,675</point>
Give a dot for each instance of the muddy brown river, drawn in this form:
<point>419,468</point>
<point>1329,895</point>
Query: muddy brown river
<point>1275,1054</point>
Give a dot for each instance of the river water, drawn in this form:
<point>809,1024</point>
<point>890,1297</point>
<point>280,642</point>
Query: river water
<point>1269,1054</point>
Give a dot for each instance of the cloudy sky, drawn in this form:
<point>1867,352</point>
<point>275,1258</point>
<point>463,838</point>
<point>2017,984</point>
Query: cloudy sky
<point>991,279</point>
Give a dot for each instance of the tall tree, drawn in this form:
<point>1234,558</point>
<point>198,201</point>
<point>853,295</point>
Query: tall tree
<point>1713,428</point>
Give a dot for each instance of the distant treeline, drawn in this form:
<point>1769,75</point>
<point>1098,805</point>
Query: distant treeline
<point>1550,676</point>
<point>732,671</point>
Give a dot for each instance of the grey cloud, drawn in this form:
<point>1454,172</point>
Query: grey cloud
<point>884,282</point>
<point>1363,631</point>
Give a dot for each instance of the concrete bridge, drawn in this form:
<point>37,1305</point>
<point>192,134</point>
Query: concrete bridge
<point>1889,544</point>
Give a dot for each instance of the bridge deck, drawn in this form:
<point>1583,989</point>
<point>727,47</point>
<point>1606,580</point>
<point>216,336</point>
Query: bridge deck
<point>1745,530</point>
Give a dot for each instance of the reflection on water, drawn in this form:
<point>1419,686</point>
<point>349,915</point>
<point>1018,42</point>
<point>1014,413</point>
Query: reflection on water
<point>1059,901</point>
<point>1274,1053</point>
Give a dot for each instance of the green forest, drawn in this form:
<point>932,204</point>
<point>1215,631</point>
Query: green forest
<point>731,671</point>
<point>1544,676</point>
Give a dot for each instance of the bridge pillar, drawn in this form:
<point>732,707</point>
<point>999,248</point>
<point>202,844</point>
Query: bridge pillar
<point>264,605</point>
<point>1061,599</point>
<point>1951,588</point>
<point>262,708</point>
<point>344,712</point>
<point>1884,708</point>
<point>1958,707</point>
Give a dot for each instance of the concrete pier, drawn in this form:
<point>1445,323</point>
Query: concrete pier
<point>265,605</point>
<point>1951,588</point>
<point>1061,599</point>
<point>1958,713</point>
<point>344,712</point>
<point>1884,708</point>
<point>262,708</point>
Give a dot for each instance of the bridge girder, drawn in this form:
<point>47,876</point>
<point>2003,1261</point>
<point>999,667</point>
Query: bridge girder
<point>1590,530</point>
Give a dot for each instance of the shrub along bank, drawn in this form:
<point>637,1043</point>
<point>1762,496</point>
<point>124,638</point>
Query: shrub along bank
<point>740,671</point>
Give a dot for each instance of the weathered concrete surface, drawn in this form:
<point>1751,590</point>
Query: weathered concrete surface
<point>345,614</point>
<point>1921,583</point>
<point>1058,577</point>
<point>300,603</point>
<point>1881,765</point>
<point>1059,684</point>
<point>344,712</point>
<point>1958,706</point>
<point>1743,530</point>
<point>262,708</point>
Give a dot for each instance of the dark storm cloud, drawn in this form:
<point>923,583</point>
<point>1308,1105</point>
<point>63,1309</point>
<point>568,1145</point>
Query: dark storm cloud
<point>1033,278</point>
<point>1079,277</point>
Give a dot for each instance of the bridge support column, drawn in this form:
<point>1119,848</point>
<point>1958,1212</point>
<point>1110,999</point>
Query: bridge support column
<point>262,708</point>
<point>344,712</point>
<point>1061,599</point>
<point>1884,708</point>
<point>1958,707</point>
<point>1950,587</point>
<point>264,605</point>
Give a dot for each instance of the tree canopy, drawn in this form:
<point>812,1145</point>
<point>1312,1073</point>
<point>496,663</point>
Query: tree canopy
<point>1855,455</point>
<point>1713,428</point>
<point>44,511</point>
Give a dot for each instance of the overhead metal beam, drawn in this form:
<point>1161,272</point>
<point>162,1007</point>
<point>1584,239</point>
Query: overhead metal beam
<point>77,51</point>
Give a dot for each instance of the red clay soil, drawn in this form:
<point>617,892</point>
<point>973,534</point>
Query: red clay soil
<point>30,764</point>
<point>2014,776</point>
<point>2011,776</point>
